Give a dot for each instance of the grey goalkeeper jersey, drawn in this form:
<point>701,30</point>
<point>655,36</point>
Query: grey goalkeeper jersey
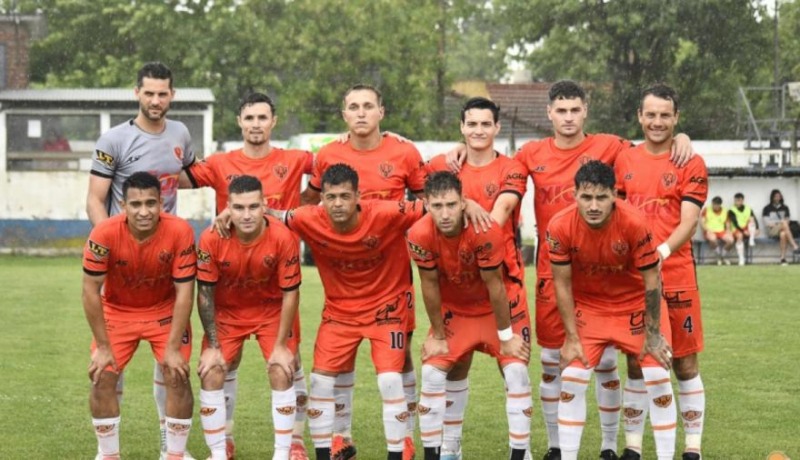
<point>125,149</point>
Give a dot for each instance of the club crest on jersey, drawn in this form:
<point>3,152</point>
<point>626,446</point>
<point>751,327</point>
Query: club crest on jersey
<point>104,158</point>
<point>269,262</point>
<point>203,257</point>
<point>490,189</point>
<point>691,415</point>
<point>280,171</point>
<point>370,242</point>
<point>466,257</point>
<point>285,410</point>
<point>567,397</point>
<point>620,247</point>
<point>206,411</point>
<point>178,151</point>
<point>99,252</point>
<point>663,401</point>
<point>385,169</point>
<point>165,257</point>
<point>668,179</point>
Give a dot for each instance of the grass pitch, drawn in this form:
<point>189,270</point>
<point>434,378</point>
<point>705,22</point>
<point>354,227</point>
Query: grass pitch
<point>753,399</point>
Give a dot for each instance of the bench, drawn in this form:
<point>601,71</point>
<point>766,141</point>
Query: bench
<point>766,251</point>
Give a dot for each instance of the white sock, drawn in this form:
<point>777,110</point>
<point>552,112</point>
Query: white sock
<point>395,411</point>
<point>343,393</point>
<point>107,432</point>
<point>160,396</point>
<point>636,408</point>
<point>572,410</point>
<point>301,392</point>
<point>663,414</point>
<point>457,397</point>
<point>177,435</point>
<point>284,406</point>
<point>519,405</point>
<point>740,251</point>
<point>231,386</point>
<point>410,392</point>
<point>607,390</point>
<point>321,408</point>
<point>431,407</point>
<point>212,418</point>
<point>549,392</point>
<point>692,402</point>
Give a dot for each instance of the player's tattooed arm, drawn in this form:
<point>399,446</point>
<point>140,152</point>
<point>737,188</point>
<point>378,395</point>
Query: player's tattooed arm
<point>654,343</point>
<point>205,306</point>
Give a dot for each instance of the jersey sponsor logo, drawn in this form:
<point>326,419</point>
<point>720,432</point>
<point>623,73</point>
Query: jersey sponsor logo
<point>207,411</point>
<point>419,253</point>
<point>178,151</point>
<point>654,207</point>
<point>611,385</point>
<point>385,169</point>
<point>285,410</point>
<point>269,262</point>
<point>567,397</point>
<point>313,413</point>
<point>280,170</point>
<point>663,401</point>
<point>384,315</point>
<point>668,179</point>
<point>203,257</point>
<point>691,415</point>
<point>165,256</point>
<point>99,252</point>
<point>547,378</point>
<point>556,194</point>
<point>292,261</point>
<point>515,176</point>
<point>490,189</point>
<point>371,242</point>
<point>647,239</point>
<point>620,247</point>
<point>357,265</point>
<point>630,412</point>
<point>466,257</point>
<point>104,158</point>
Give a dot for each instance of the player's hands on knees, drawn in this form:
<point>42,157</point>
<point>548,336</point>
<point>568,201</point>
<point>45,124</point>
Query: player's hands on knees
<point>572,350</point>
<point>479,218</point>
<point>434,347</point>
<point>657,347</point>
<point>175,368</point>
<point>101,358</point>
<point>222,223</point>
<point>456,157</point>
<point>284,358</point>
<point>516,347</point>
<point>211,358</point>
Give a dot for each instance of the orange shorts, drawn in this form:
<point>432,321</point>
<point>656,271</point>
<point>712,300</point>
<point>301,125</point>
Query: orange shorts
<point>231,338</point>
<point>720,235</point>
<point>626,331</point>
<point>467,334</point>
<point>686,322</point>
<point>124,337</point>
<point>337,345</point>
<point>549,328</point>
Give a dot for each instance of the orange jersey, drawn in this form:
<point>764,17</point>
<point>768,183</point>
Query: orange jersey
<point>459,261</point>
<point>364,267</point>
<point>140,276</point>
<point>280,173</point>
<point>657,188</point>
<point>553,173</point>
<point>605,261</point>
<point>384,173</point>
<point>250,277</point>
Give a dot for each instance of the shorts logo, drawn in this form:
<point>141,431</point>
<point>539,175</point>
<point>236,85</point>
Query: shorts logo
<point>370,242</point>
<point>104,158</point>
<point>668,179</point>
<point>338,407</point>
<point>567,397</point>
<point>402,416</point>
<point>527,412</point>
<point>630,412</point>
<point>385,169</point>
<point>636,322</point>
<point>269,262</point>
<point>206,411</point>
<point>620,247</point>
<point>466,257</point>
<point>280,170</point>
<point>99,252</point>
<point>448,315</point>
<point>285,410</point>
<point>313,413</point>
<point>548,378</point>
<point>691,415</point>
<point>383,316</point>
<point>490,190</point>
<point>423,410</point>
<point>611,385</point>
<point>663,401</point>
<point>203,257</point>
<point>103,429</point>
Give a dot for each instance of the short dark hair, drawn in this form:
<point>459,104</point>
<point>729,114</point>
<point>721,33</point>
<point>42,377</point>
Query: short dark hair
<point>481,103</point>
<point>566,89</point>
<point>441,182</point>
<point>257,98</point>
<point>338,174</point>
<point>155,70</point>
<point>716,200</point>
<point>661,91</point>
<point>141,180</point>
<point>595,172</point>
<point>738,196</point>
<point>773,193</point>
<point>364,87</point>
<point>244,184</point>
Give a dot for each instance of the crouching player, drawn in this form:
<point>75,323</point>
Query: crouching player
<point>463,282</point>
<point>248,284</point>
<point>138,281</point>
<point>608,291</point>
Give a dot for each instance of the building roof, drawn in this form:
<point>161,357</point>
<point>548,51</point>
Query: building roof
<point>202,95</point>
<point>524,104</point>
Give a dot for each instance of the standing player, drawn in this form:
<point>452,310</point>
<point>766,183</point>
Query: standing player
<point>744,223</point>
<point>670,198</point>
<point>608,291</point>
<point>248,284</point>
<point>467,293</point>
<point>497,184</point>
<point>386,168</point>
<point>363,263</point>
<point>280,172</point>
<point>152,143</point>
<point>139,270</point>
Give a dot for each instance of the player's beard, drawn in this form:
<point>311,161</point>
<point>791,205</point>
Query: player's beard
<point>146,112</point>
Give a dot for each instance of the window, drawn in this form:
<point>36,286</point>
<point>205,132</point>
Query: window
<point>50,141</point>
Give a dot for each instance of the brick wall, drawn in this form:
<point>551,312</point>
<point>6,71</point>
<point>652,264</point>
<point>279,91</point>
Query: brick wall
<point>16,40</point>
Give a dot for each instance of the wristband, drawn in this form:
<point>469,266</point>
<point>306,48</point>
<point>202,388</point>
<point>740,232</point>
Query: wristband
<point>664,250</point>
<point>505,334</point>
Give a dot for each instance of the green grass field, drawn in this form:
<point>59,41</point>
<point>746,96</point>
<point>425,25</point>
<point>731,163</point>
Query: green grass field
<point>753,402</point>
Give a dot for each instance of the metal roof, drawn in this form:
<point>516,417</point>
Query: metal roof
<point>203,95</point>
